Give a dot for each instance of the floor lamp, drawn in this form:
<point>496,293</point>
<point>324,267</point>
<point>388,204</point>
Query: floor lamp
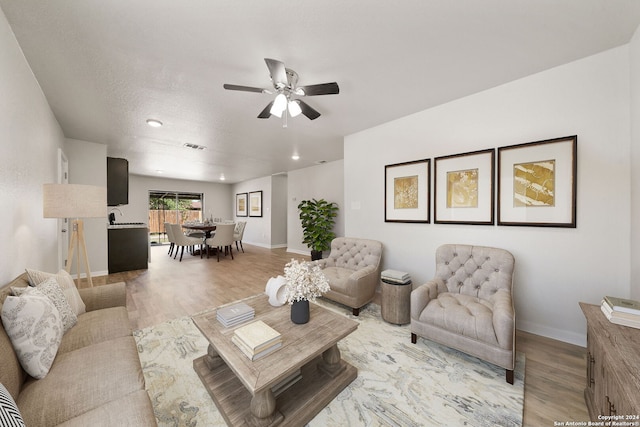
<point>75,201</point>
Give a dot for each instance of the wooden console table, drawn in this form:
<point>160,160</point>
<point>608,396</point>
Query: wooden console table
<point>613,367</point>
<point>242,389</point>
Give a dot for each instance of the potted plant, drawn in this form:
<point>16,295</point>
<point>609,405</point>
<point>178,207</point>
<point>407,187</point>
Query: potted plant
<point>318,218</point>
<point>304,282</point>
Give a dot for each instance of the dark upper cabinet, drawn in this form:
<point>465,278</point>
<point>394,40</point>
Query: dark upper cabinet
<point>117,181</point>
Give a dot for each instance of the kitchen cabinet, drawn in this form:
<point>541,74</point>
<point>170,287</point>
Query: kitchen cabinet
<point>128,248</point>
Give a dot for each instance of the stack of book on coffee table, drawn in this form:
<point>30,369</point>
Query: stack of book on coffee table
<point>257,339</point>
<point>235,314</point>
<point>622,311</point>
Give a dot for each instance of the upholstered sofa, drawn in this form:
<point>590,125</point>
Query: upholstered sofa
<point>95,379</point>
<point>353,271</point>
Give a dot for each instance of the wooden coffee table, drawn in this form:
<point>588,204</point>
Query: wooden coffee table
<point>242,389</point>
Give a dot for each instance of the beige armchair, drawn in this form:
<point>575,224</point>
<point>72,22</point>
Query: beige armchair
<point>353,271</point>
<point>468,305</point>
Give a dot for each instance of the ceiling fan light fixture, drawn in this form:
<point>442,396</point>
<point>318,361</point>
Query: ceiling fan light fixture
<point>154,123</point>
<point>279,105</point>
<point>294,108</point>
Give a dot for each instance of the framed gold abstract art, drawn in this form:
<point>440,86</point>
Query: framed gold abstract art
<point>255,203</point>
<point>241,204</point>
<point>537,183</point>
<point>463,188</point>
<point>407,187</point>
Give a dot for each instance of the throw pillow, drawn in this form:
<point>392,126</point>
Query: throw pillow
<point>52,291</point>
<point>9,413</point>
<point>34,326</point>
<point>66,284</point>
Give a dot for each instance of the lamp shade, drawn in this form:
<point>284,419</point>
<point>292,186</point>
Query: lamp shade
<point>279,105</point>
<point>74,201</point>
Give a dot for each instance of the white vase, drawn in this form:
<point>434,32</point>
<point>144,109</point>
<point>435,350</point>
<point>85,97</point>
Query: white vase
<point>275,291</point>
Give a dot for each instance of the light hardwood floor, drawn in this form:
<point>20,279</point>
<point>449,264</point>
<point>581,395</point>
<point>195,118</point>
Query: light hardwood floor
<point>555,371</point>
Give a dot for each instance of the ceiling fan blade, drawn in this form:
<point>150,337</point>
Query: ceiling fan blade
<point>245,88</point>
<point>307,110</point>
<point>278,72</point>
<point>321,89</point>
<point>266,113</point>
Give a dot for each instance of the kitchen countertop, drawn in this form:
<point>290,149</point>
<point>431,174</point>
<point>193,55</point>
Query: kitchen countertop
<point>126,225</point>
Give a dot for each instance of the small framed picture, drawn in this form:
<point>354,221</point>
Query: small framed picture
<point>241,204</point>
<point>463,188</point>
<point>537,183</point>
<point>407,187</point>
<point>255,203</point>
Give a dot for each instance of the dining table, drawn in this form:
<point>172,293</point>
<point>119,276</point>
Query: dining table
<point>207,228</point>
<point>204,227</point>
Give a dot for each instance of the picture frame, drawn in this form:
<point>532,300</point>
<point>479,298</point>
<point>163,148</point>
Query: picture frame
<point>464,188</point>
<point>537,184</point>
<point>255,203</point>
<point>241,204</point>
<point>407,191</point>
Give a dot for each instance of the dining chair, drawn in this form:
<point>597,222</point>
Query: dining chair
<point>223,239</point>
<point>182,240</point>
<point>169,231</point>
<point>238,232</point>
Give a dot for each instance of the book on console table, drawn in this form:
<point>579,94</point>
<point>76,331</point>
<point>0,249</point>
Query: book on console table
<point>620,317</point>
<point>623,305</point>
<point>235,314</point>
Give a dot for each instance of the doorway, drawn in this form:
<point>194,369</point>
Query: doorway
<point>63,223</point>
<point>173,207</point>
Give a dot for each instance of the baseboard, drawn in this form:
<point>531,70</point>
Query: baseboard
<point>296,251</point>
<point>556,334</point>
<point>262,245</point>
<point>93,274</point>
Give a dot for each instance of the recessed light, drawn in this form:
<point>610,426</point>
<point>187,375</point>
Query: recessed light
<point>222,178</point>
<point>295,157</point>
<point>159,171</point>
<point>154,123</point>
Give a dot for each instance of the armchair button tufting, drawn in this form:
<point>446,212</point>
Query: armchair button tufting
<point>496,270</point>
<point>459,284</point>
<point>446,263</point>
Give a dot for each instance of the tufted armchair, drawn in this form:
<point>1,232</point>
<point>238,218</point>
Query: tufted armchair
<point>353,271</point>
<point>468,305</point>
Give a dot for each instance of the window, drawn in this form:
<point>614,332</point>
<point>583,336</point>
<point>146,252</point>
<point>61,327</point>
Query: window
<point>173,207</point>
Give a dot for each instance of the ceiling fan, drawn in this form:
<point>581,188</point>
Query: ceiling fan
<point>285,84</point>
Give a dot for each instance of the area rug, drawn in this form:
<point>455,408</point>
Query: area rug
<point>398,383</point>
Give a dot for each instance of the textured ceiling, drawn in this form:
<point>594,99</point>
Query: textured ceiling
<point>107,66</point>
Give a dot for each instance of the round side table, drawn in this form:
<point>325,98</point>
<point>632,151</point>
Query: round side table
<point>396,302</point>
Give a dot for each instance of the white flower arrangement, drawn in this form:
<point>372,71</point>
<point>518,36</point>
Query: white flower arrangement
<point>305,281</point>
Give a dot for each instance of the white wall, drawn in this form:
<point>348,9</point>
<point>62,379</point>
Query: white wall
<point>29,141</point>
<point>258,229</point>
<point>555,268</point>
<point>325,181</point>
<point>634,50</point>
<point>88,166</point>
<point>279,211</point>
<point>217,197</point>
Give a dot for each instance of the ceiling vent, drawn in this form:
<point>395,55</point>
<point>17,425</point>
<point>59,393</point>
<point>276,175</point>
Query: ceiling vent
<point>194,146</point>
